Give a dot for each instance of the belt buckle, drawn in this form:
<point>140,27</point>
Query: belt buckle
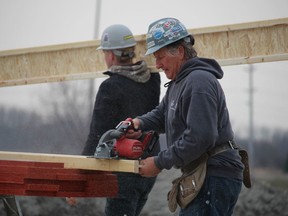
<point>231,144</point>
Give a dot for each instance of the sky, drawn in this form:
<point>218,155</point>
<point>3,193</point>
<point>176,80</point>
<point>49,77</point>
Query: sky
<point>32,23</point>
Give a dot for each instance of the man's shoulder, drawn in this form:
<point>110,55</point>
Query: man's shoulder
<point>200,74</point>
<point>110,82</point>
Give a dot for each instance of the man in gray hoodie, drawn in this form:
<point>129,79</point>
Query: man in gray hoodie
<point>195,118</point>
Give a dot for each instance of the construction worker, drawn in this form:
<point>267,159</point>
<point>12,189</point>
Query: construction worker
<point>130,90</point>
<point>195,118</point>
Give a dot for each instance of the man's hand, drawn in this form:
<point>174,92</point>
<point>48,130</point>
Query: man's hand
<point>148,168</point>
<point>134,133</point>
<point>72,201</point>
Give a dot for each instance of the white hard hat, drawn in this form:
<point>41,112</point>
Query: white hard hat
<point>116,37</point>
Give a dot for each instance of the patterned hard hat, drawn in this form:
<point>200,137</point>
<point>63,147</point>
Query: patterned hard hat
<point>163,32</point>
<point>116,37</point>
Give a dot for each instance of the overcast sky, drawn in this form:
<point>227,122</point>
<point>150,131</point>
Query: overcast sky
<point>31,23</point>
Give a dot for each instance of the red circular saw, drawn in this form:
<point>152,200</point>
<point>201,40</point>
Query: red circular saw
<point>114,144</point>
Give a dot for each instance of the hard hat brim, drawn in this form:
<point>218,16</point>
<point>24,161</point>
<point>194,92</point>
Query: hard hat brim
<point>152,50</point>
<point>156,48</point>
<point>116,47</point>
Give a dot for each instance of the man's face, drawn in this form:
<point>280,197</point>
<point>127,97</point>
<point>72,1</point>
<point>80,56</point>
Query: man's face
<point>169,62</point>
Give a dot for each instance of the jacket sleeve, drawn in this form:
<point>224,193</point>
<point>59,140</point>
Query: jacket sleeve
<point>197,130</point>
<point>155,119</point>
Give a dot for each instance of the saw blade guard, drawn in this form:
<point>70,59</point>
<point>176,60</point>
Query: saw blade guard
<point>105,147</point>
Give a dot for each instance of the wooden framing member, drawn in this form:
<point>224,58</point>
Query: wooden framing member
<point>75,161</point>
<point>25,178</point>
<point>255,42</point>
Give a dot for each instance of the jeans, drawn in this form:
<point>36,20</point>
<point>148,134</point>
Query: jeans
<point>133,194</point>
<point>217,197</point>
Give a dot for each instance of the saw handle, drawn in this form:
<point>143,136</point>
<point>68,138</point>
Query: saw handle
<point>127,128</point>
<point>132,126</point>
<point>123,126</point>
<point>121,130</point>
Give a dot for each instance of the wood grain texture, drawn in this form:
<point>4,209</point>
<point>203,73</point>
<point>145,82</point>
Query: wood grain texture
<point>245,43</point>
<point>75,161</point>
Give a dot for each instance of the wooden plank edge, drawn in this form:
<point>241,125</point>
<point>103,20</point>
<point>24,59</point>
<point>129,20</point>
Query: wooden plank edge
<point>50,48</point>
<point>246,60</point>
<point>58,78</point>
<point>253,59</point>
<point>239,26</point>
<point>75,161</point>
<point>55,78</point>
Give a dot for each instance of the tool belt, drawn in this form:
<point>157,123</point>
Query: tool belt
<point>186,188</point>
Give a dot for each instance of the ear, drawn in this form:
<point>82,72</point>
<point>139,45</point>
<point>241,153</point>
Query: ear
<point>111,54</point>
<point>181,52</point>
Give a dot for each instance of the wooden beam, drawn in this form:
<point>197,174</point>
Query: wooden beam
<point>25,178</point>
<point>254,42</point>
<point>75,161</point>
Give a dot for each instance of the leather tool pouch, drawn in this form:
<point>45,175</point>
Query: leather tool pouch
<point>246,172</point>
<point>186,187</point>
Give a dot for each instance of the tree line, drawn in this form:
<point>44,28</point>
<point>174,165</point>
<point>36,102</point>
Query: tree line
<point>23,131</point>
<point>65,126</point>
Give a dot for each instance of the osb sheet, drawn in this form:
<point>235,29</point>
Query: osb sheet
<point>255,42</point>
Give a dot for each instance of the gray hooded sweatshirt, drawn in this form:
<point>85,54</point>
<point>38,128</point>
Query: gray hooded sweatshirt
<point>195,118</point>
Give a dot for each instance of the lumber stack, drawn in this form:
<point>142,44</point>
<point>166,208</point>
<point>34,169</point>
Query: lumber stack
<point>27,178</point>
<point>58,175</point>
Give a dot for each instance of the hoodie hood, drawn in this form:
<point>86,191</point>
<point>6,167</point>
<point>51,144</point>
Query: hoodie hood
<point>209,65</point>
<point>138,72</point>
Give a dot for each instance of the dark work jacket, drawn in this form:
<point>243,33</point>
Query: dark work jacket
<point>118,98</point>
